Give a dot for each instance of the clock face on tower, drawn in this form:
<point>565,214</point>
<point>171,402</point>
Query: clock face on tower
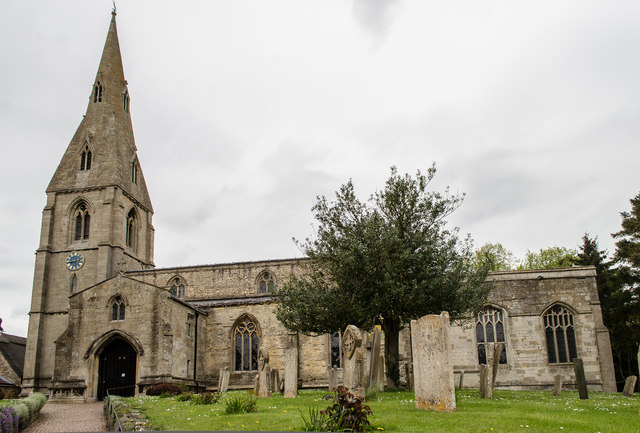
<point>75,261</point>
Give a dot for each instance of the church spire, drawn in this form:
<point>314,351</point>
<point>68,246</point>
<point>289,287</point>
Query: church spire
<point>102,152</point>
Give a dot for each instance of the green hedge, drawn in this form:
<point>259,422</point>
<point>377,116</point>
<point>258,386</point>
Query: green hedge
<point>16,415</point>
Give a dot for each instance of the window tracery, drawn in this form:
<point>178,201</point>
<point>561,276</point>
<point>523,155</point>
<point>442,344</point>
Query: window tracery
<point>266,283</point>
<point>560,334</point>
<point>335,349</point>
<point>117,309</point>
<point>82,222</point>
<point>97,92</point>
<point>85,158</point>
<point>490,329</point>
<point>246,345</point>
<point>131,229</point>
<point>177,287</point>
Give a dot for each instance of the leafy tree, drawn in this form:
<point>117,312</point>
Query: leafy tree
<point>626,334</point>
<point>549,258</point>
<point>384,262</point>
<point>495,257</point>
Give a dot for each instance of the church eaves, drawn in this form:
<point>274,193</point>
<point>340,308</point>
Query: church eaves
<point>102,152</point>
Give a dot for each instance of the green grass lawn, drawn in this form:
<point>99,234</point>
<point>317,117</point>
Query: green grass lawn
<point>508,411</point>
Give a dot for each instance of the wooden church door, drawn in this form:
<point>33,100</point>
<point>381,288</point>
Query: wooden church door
<point>117,370</point>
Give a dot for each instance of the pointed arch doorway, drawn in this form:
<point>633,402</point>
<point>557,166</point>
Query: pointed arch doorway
<point>117,369</point>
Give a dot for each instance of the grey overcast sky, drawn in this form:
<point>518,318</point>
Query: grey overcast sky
<point>244,111</point>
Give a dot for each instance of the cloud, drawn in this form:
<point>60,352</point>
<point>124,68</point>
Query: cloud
<point>375,16</point>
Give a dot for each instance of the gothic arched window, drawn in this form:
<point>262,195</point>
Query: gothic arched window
<point>177,287</point>
<point>85,158</point>
<point>490,329</point>
<point>82,222</point>
<point>266,283</point>
<point>246,344</point>
<point>560,333</point>
<point>97,92</point>
<point>117,308</point>
<point>131,229</point>
<point>336,353</point>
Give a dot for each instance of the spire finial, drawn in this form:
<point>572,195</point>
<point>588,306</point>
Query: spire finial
<point>113,11</point>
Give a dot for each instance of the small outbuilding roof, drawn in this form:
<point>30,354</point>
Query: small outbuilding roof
<point>12,348</point>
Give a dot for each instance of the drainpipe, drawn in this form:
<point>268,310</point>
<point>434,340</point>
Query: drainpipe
<point>195,352</point>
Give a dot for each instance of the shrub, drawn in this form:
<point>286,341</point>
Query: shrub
<point>185,396</point>
<point>347,413</point>
<point>23,413</point>
<point>9,422</point>
<point>206,398</point>
<point>36,399</point>
<point>241,404</point>
<point>165,389</point>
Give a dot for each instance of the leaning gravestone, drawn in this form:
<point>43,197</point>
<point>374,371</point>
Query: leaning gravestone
<point>490,378</point>
<point>223,384</point>
<point>264,374</point>
<point>291,366</point>
<point>629,386</point>
<point>375,365</point>
<point>408,373</point>
<point>581,381</point>
<point>557,385</point>
<point>354,357</point>
<point>433,371</point>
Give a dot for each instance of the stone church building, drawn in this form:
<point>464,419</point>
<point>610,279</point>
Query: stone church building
<point>104,318</point>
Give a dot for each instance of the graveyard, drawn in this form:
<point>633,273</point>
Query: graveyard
<point>395,411</point>
<point>435,400</point>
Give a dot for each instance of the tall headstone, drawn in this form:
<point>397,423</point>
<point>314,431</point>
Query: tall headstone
<point>275,380</point>
<point>581,381</point>
<point>381,380</point>
<point>291,366</point>
<point>557,385</point>
<point>333,378</point>
<point>354,359</point>
<point>433,370</point>
<point>409,374</point>
<point>223,383</point>
<point>484,375</point>
<point>629,386</point>
<point>264,374</point>
<point>375,364</point>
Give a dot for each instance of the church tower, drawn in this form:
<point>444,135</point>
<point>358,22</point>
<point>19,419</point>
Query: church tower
<point>97,219</point>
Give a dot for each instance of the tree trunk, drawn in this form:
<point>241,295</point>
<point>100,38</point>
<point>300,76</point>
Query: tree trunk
<point>391,329</point>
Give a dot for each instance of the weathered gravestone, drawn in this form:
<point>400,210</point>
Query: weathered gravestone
<point>483,370</point>
<point>433,371</point>
<point>375,365</point>
<point>408,374</point>
<point>223,381</point>
<point>333,378</point>
<point>275,380</point>
<point>291,366</point>
<point>629,386</point>
<point>581,381</point>
<point>264,374</point>
<point>461,380</point>
<point>354,358</point>
<point>557,385</point>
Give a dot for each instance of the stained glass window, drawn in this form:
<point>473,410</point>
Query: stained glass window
<point>247,344</point>
<point>490,329</point>
<point>559,331</point>
<point>266,283</point>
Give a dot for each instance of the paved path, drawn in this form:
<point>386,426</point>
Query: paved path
<point>69,417</point>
